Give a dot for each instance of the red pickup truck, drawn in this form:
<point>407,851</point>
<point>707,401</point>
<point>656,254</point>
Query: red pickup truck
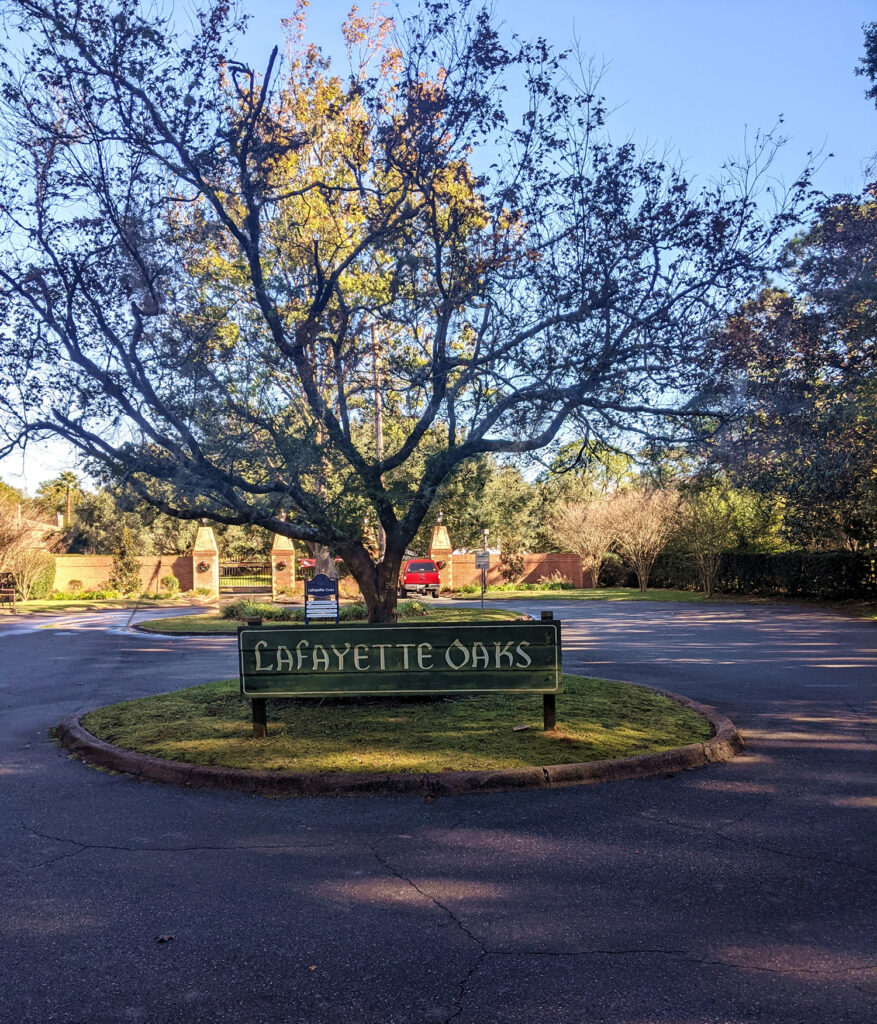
<point>419,576</point>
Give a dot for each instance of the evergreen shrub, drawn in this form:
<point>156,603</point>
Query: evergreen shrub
<point>169,584</point>
<point>125,574</point>
<point>822,575</point>
<point>246,608</point>
<point>44,582</point>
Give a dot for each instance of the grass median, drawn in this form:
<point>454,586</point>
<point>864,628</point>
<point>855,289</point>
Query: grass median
<point>597,719</point>
<point>213,623</point>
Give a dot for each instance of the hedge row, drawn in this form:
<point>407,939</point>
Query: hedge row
<point>246,608</point>
<point>822,575</point>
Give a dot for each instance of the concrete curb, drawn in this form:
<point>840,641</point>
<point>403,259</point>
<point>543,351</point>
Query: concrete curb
<point>724,746</point>
<point>143,627</point>
<point>210,634</point>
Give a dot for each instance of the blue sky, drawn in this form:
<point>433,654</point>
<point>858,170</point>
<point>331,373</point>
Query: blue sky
<point>692,74</point>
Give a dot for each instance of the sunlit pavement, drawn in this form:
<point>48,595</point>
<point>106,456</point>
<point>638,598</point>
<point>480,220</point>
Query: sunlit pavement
<point>741,892</point>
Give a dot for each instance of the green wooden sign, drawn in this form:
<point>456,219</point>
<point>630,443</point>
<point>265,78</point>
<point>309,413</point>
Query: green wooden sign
<point>414,658</point>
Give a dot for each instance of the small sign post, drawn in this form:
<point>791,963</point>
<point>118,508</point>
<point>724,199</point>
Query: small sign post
<point>482,562</point>
<point>259,705</point>
<point>549,703</point>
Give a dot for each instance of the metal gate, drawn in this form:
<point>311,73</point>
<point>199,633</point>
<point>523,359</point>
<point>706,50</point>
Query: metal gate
<point>244,577</point>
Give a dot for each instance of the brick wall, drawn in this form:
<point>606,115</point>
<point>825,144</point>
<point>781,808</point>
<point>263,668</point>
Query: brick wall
<point>94,570</point>
<point>460,570</point>
<point>183,569</point>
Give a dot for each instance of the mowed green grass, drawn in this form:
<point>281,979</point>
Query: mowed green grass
<point>589,594</point>
<point>597,719</point>
<point>211,623</point>
<point>228,584</point>
<point>862,609</point>
<point>49,606</point>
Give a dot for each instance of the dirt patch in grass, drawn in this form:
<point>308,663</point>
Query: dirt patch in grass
<point>597,719</point>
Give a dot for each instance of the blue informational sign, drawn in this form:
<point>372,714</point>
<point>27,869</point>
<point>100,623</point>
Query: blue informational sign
<point>321,598</point>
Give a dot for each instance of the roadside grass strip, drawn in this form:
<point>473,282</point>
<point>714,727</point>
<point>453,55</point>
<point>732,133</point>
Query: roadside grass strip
<point>598,719</point>
<point>51,606</point>
<point>589,594</point>
<point>862,609</point>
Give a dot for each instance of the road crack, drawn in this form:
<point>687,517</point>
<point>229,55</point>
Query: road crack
<point>164,849</point>
<point>463,983</point>
<point>750,844</point>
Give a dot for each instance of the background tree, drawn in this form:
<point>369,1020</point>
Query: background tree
<point>587,468</point>
<point>484,494</point>
<point>642,521</point>
<point>14,533</point>
<point>34,571</point>
<point>10,493</point>
<point>23,544</point>
<point>758,523</point>
<point>101,518</point>
<point>587,528</point>
<point>125,573</point>
<point>867,66</point>
<point>802,367</point>
<point>200,327</point>
<point>707,531</point>
<point>60,496</point>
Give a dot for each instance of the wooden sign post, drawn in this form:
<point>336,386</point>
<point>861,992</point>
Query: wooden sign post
<point>549,706</point>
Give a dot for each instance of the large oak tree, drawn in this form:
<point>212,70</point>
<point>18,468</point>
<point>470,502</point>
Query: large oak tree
<point>211,275</point>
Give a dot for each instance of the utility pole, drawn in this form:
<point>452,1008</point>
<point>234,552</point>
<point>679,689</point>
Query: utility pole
<point>484,535</point>
<point>379,432</point>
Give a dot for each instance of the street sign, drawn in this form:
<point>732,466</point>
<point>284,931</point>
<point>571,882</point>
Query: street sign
<point>391,659</point>
<point>482,559</point>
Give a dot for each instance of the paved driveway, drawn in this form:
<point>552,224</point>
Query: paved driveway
<point>741,892</point>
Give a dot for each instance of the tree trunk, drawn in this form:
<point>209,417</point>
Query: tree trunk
<point>323,562</point>
<point>383,609</point>
<point>642,577</point>
<point>378,583</point>
<point>709,566</point>
<point>591,570</point>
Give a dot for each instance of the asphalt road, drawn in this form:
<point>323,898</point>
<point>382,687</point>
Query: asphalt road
<point>742,892</point>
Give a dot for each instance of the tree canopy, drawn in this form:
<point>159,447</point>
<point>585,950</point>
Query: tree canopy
<point>212,276</point>
<point>867,66</point>
<point>802,363</point>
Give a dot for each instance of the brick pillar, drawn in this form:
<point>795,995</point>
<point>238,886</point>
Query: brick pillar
<point>440,549</point>
<point>206,552</point>
<point>282,554</point>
